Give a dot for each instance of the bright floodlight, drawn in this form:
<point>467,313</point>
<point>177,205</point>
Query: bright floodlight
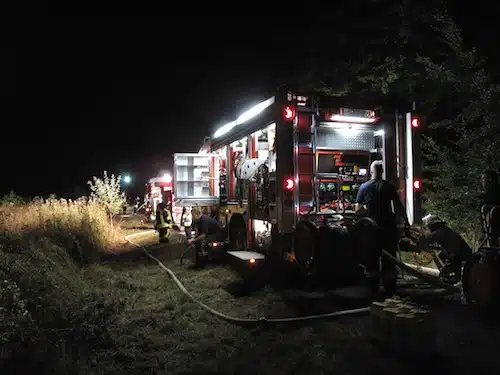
<point>167,178</point>
<point>127,179</point>
<point>244,117</point>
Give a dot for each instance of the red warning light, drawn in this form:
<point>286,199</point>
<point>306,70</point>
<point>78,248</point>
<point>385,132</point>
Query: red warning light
<point>417,184</point>
<point>415,122</point>
<point>288,112</point>
<point>289,184</point>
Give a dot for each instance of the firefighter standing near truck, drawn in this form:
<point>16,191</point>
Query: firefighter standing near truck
<point>375,199</point>
<point>164,221</point>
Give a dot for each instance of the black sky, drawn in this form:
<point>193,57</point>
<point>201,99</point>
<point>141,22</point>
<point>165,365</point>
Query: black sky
<point>120,94</point>
<point>85,94</point>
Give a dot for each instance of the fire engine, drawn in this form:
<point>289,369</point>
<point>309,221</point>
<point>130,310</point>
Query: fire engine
<point>285,174</point>
<point>158,189</point>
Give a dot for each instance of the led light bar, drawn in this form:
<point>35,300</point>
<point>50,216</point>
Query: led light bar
<point>359,120</point>
<point>244,117</point>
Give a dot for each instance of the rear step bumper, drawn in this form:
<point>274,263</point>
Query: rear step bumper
<point>246,255</point>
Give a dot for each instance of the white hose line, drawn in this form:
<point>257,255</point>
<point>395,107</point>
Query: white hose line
<point>427,270</point>
<point>412,271</point>
<point>233,319</point>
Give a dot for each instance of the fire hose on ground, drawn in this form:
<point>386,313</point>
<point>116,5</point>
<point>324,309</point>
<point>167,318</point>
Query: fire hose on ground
<point>264,320</point>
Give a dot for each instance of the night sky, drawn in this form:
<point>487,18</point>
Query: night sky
<point>81,95</point>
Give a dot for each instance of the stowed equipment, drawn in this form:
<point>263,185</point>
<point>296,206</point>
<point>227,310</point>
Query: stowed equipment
<point>337,250</point>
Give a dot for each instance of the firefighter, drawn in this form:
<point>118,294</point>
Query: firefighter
<point>454,247</point>
<point>490,197</point>
<point>207,230</point>
<point>186,222</point>
<point>490,188</point>
<point>164,221</point>
<point>375,199</point>
<point>136,205</point>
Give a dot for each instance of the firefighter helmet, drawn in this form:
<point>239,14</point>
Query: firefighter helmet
<point>430,219</point>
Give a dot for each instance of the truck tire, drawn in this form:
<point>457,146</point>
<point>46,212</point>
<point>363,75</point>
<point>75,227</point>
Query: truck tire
<point>237,232</point>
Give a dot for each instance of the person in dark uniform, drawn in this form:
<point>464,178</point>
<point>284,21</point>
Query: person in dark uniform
<point>490,187</point>
<point>207,230</point>
<point>454,247</point>
<point>490,197</point>
<point>378,199</point>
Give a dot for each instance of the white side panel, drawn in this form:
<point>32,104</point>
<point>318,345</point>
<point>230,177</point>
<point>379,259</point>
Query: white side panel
<point>410,204</point>
<point>193,177</point>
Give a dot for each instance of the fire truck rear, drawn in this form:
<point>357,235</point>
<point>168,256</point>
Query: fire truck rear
<point>157,189</point>
<point>284,175</point>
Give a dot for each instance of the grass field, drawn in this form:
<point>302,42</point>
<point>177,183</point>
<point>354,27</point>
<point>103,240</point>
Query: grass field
<point>122,314</point>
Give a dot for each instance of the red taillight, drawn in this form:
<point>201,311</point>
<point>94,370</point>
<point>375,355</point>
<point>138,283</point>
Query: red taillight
<point>288,112</point>
<point>415,122</point>
<point>417,185</point>
<point>289,184</point>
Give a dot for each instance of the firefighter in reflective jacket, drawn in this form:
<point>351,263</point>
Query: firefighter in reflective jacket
<point>164,221</point>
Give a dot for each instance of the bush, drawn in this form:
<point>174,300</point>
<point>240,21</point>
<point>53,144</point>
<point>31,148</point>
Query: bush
<point>107,191</point>
<point>11,198</point>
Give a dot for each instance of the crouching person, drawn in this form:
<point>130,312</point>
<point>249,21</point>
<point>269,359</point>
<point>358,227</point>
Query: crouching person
<point>207,230</point>
<point>454,247</point>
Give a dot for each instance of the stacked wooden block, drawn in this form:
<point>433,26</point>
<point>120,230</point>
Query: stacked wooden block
<point>403,327</point>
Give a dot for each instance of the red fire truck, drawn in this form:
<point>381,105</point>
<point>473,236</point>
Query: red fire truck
<point>292,164</point>
<point>289,168</point>
<point>158,189</point>
<point>283,177</point>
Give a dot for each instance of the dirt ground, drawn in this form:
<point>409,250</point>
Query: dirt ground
<point>163,332</point>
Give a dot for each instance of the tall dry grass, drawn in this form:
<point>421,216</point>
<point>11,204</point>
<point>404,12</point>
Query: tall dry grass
<point>50,312</point>
<point>82,223</point>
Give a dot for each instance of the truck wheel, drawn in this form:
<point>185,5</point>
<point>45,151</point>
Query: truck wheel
<point>365,222</point>
<point>237,232</point>
<point>480,281</point>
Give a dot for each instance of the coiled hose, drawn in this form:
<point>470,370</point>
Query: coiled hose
<point>265,320</point>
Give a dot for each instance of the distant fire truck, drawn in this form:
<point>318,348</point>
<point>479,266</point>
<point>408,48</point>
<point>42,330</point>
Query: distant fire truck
<point>289,168</point>
<point>158,189</point>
